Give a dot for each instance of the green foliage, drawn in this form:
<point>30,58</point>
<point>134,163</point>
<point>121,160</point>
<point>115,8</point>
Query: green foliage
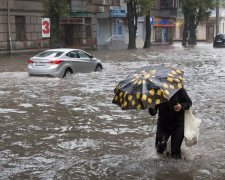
<point>222,3</point>
<point>200,10</point>
<point>145,6</point>
<point>55,9</point>
<point>136,8</point>
<point>195,11</point>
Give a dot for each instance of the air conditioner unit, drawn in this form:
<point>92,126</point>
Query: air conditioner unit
<point>101,9</point>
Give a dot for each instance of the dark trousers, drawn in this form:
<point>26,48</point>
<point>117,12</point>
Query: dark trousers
<point>164,132</point>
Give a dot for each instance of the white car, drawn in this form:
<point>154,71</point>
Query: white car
<point>62,62</point>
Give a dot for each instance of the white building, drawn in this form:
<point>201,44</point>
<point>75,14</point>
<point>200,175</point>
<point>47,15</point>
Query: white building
<point>205,31</point>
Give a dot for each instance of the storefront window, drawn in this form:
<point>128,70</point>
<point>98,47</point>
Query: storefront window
<point>164,34</point>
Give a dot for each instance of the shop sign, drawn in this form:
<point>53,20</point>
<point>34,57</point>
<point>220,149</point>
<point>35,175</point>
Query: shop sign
<point>163,22</point>
<point>117,11</point>
<point>71,20</point>
<point>152,20</point>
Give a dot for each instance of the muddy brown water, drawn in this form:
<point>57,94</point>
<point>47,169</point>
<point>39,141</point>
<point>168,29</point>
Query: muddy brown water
<point>55,128</point>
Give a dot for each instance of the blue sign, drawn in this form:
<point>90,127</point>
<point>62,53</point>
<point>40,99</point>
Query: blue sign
<point>152,20</point>
<point>117,13</point>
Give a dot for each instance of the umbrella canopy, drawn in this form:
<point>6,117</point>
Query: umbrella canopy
<point>148,86</point>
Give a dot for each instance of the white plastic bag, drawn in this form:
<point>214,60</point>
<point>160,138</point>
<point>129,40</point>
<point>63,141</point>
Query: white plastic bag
<point>191,128</point>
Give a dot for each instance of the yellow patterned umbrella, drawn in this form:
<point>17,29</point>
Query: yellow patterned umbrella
<point>148,86</point>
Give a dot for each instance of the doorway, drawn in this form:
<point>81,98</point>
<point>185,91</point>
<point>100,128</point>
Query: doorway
<point>69,35</point>
<point>209,33</point>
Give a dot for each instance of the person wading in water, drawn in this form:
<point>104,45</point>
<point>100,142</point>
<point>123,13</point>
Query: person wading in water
<point>170,122</point>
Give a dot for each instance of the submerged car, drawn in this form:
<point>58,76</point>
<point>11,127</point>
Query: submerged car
<point>62,62</point>
<point>219,40</point>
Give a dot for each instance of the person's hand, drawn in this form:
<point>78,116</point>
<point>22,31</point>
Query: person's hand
<point>177,107</point>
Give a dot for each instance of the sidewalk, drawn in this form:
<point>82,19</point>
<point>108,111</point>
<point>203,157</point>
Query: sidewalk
<point>18,51</point>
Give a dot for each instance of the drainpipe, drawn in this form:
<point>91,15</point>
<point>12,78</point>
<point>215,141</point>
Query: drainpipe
<point>9,27</point>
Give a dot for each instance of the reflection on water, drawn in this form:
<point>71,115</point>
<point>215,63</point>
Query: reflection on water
<point>68,128</point>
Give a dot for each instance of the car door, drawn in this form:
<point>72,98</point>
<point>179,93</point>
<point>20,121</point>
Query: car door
<point>88,64</point>
<point>74,61</point>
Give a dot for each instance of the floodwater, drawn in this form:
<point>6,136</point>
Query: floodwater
<point>55,128</point>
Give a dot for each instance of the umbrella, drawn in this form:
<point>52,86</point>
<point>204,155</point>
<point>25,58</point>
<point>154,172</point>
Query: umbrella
<point>148,86</point>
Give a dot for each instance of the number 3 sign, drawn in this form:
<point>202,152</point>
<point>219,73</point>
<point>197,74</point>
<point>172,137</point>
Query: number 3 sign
<point>45,27</point>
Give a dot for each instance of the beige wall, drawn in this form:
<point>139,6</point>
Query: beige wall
<point>222,26</point>
<point>201,32</point>
<point>31,10</point>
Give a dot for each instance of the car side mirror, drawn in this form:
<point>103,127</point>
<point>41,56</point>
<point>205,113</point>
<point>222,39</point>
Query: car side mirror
<point>91,56</point>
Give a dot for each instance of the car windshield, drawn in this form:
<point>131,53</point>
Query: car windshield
<point>221,36</point>
<point>50,53</point>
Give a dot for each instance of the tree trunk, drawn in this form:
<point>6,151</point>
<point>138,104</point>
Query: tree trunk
<point>131,26</point>
<point>186,28</point>
<point>192,29</point>
<point>54,32</point>
<point>147,43</point>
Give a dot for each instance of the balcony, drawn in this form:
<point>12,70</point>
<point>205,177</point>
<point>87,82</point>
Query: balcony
<point>168,13</point>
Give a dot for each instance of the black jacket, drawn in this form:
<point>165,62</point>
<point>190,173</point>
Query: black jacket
<point>166,114</point>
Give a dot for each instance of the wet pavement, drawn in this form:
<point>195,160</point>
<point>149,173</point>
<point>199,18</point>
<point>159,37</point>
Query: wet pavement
<point>55,128</point>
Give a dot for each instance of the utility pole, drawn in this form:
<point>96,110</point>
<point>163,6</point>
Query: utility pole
<point>217,16</point>
<point>9,26</point>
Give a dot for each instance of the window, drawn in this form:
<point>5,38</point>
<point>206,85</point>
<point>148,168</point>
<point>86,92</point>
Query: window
<point>120,30</point>
<point>88,27</point>
<point>50,53</point>
<point>73,54</point>
<point>20,28</point>
<point>117,29</point>
<point>164,4</point>
<point>83,54</point>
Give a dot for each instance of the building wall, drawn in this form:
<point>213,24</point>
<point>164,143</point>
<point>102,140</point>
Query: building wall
<point>205,31</point>
<point>201,32</point>
<point>103,31</point>
<point>111,25</point>
<point>222,26</point>
<point>31,11</point>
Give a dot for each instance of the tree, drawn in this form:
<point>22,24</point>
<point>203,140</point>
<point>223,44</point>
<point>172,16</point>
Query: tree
<point>146,5</point>
<point>195,11</point>
<point>55,9</point>
<point>221,2</point>
<point>132,16</point>
<point>136,8</point>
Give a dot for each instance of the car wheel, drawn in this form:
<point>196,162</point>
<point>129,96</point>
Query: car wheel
<point>98,68</point>
<point>67,73</point>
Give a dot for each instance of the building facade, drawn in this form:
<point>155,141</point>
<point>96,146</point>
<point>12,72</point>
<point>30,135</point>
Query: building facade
<point>92,23</point>
<point>206,31</point>
<point>21,25</point>
<point>79,29</point>
<point>163,20</point>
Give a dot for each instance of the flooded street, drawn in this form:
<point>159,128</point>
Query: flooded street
<point>55,128</point>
